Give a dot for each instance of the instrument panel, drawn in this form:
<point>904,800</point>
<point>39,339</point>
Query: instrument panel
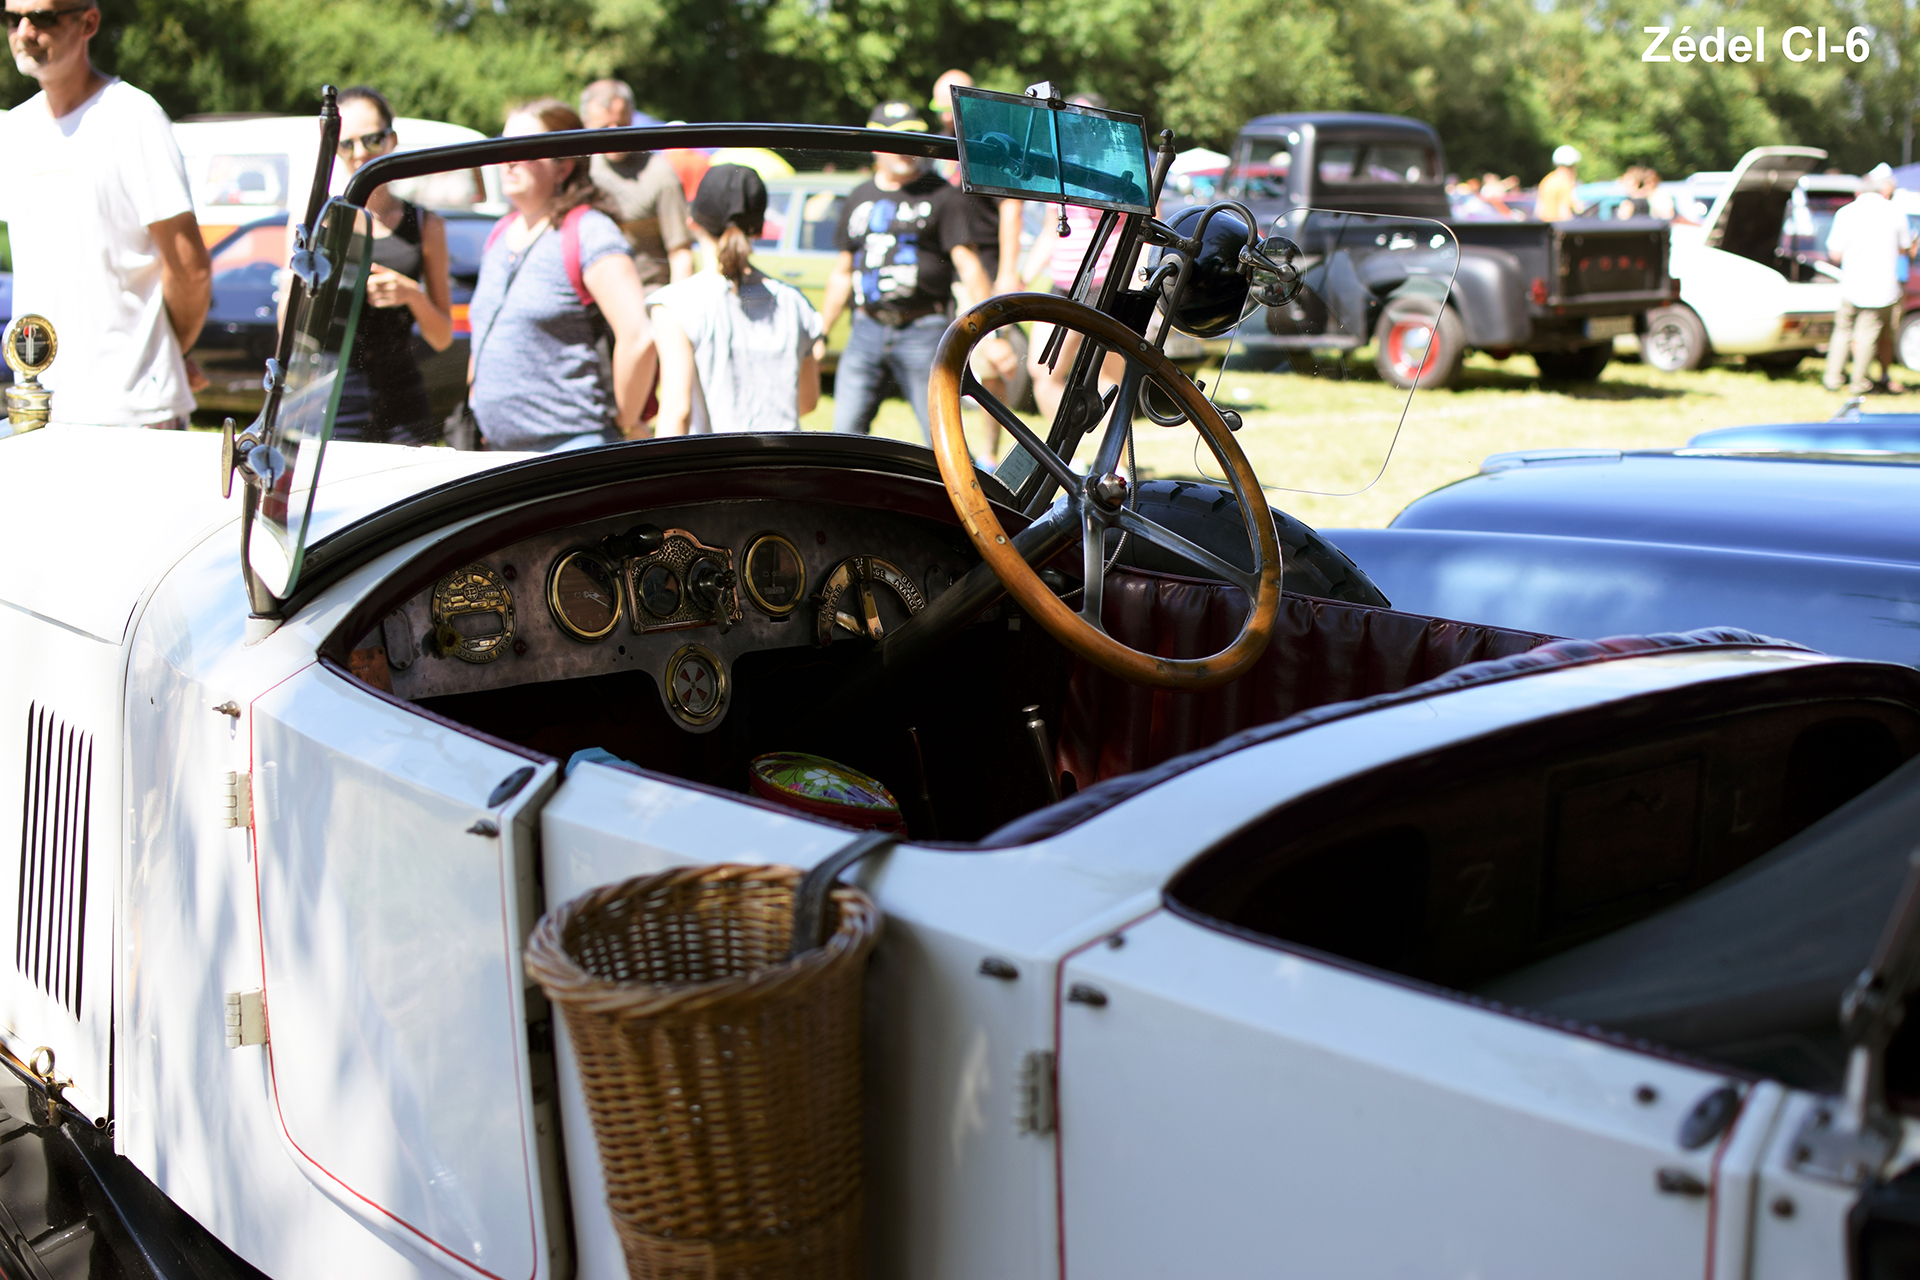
<point>681,593</point>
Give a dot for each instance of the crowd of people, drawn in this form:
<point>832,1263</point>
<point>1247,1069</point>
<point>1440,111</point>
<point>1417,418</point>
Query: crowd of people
<point>589,321</point>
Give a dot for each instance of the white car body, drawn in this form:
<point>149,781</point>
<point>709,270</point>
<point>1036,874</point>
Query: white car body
<point>275,878</point>
<point>389,1126</point>
<point>1747,306</point>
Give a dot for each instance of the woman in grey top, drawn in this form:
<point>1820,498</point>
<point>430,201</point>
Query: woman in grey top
<point>738,351</point>
<point>537,376</point>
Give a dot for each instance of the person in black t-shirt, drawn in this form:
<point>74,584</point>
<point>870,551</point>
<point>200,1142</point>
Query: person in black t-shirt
<point>903,238</point>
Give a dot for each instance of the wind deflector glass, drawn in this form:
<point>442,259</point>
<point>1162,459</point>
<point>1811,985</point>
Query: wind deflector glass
<point>1323,419</point>
<point>324,322</point>
<point>1031,149</point>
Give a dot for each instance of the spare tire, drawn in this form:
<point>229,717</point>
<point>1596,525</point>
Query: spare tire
<point>1210,516</point>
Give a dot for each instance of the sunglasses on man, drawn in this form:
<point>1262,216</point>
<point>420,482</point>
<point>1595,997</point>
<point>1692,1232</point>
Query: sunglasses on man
<point>370,142</point>
<point>42,19</point>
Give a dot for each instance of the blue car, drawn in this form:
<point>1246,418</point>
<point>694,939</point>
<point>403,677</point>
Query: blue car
<point>1809,532</point>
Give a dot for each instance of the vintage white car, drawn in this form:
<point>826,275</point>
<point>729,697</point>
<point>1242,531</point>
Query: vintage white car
<point>1240,931</point>
<point>1740,294</point>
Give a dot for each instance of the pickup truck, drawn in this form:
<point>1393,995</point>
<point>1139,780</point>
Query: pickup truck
<point>1560,291</point>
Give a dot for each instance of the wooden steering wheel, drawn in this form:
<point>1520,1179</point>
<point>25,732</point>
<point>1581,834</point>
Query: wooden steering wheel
<point>1099,498</point>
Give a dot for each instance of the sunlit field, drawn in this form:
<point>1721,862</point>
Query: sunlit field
<point>1328,435</point>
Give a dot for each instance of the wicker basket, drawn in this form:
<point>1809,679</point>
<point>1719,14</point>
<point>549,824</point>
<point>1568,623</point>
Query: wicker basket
<point>723,1079</point>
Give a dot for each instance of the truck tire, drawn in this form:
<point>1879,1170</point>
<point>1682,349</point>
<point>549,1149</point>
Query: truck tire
<point>1412,343</point>
<point>1581,365</point>
<point>1675,339</point>
<point>1210,516</point>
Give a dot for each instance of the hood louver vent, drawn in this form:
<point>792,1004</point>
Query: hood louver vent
<point>50,930</point>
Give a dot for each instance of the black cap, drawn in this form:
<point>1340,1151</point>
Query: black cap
<point>903,116</point>
<point>730,193</point>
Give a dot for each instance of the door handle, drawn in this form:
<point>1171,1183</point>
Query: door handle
<point>1678,1182</point>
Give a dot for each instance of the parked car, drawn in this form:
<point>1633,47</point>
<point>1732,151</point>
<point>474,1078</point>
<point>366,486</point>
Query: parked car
<point>1748,281</point>
<point>1368,939</point>
<point>242,167</point>
<point>1771,529</point>
<point>1561,291</point>
<point>243,325</point>
<point>796,243</point>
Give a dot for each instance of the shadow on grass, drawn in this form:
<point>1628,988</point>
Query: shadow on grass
<point>1472,379</point>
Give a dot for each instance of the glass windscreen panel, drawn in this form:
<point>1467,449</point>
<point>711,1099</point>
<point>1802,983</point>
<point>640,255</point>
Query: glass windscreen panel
<point>324,321</point>
<point>1324,381</point>
<point>1027,148</point>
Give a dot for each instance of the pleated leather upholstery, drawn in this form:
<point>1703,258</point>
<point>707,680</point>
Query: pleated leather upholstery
<point>1323,651</point>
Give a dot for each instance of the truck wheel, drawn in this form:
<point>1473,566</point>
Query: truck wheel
<point>1581,365</point>
<point>1412,344</point>
<point>1675,339</point>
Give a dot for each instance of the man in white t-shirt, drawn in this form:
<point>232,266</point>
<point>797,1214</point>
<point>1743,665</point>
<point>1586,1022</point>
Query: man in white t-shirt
<point>1868,239</point>
<point>105,244</point>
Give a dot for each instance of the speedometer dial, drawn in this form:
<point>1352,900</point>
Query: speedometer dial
<point>583,591</point>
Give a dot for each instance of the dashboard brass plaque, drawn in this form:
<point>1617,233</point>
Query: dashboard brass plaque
<point>854,577</point>
<point>472,614</point>
<point>686,583</point>
<point>583,594</point>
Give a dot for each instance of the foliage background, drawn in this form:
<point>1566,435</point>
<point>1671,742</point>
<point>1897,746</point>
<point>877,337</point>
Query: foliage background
<point>1505,81</point>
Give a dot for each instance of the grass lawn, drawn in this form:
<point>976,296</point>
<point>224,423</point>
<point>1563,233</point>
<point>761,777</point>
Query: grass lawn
<point>1317,442</point>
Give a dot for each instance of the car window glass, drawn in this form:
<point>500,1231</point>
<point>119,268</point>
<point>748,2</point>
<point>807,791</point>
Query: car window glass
<point>1396,164</point>
<point>238,179</point>
<point>1260,168</point>
<point>774,230</point>
<point>466,240</point>
<point>1336,163</point>
<point>251,258</point>
<point>819,214</point>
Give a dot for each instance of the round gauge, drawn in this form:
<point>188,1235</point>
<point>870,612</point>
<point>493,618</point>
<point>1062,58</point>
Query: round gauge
<point>696,684</point>
<point>659,591</point>
<point>583,591</point>
<point>776,578</point>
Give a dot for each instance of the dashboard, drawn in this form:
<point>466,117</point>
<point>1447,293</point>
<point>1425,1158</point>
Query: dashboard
<point>679,592</point>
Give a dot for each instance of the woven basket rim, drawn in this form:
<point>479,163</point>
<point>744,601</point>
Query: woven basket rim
<point>572,986</point>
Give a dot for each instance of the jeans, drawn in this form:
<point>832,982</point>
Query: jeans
<point>873,350</point>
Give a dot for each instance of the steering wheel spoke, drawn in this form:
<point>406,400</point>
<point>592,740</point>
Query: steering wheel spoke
<point>1096,500</point>
<point>1093,584</point>
<point>1036,448</point>
<point>1135,523</point>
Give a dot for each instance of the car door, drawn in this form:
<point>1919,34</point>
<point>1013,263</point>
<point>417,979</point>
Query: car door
<point>396,886</point>
<point>1228,1108</point>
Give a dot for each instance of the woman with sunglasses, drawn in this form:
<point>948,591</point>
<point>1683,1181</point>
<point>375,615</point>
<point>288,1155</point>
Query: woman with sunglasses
<point>383,398</point>
<point>556,282</point>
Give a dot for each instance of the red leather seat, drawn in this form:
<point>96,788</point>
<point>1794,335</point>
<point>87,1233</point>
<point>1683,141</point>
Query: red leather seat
<point>1323,651</point>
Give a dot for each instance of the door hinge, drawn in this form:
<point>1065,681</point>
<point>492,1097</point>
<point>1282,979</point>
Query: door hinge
<point>236,800</point>
<point>1034,1105</point>
<point>246,1018</point>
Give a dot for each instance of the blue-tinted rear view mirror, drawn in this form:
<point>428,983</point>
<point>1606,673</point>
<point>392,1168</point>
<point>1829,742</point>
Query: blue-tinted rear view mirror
<point>1034,149</point>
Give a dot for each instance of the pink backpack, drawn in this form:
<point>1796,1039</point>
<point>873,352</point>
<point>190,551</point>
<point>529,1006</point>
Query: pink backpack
<point>569,250</point>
